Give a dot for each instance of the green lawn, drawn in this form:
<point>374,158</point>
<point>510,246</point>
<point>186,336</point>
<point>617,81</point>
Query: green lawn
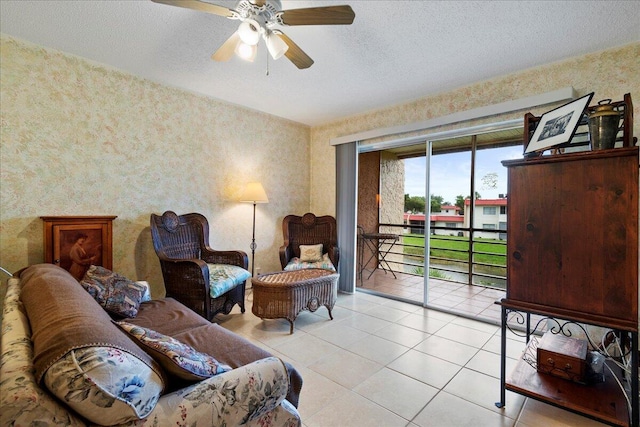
<point>456,248</point>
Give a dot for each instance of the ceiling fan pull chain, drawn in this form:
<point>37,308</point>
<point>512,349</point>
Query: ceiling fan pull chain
<point>267,56</point>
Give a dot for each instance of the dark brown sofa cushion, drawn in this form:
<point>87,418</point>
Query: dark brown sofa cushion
<point>167,316</point>
<point>234,350</point>
<point>170,317</point>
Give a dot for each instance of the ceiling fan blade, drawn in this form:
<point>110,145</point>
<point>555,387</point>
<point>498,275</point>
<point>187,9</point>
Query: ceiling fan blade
<point>294,53</point>
<point>226,51</point>
<point>329,15</point>
<point>200,6</point>
<point>259,3</point>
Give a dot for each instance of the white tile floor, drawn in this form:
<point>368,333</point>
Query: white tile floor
<point>470,301</point>
<point>386,363</point>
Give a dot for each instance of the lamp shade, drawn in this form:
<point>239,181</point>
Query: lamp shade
<point>254,193</point>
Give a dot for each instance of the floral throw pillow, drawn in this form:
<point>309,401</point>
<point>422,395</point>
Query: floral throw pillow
<point>106,385</point>
<point>177,358</point>
<point>114,292</point>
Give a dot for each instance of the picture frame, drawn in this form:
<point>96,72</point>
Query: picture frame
<point>74,243</point>
<point>558,126</point>
<point>77,247</point>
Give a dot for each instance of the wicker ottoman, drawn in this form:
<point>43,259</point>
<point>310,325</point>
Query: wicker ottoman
<point>283,295</point>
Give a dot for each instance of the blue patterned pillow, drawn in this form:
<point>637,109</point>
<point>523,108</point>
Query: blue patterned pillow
<point>106,385</point>
<point>223,277</point>
<point>177,358</point>
<point>296,264</point>
<point>114,292</point>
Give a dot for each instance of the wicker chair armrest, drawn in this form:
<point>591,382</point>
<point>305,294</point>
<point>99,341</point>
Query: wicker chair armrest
<point>213,256</point>
<point>334,255</point>
<point>190,275</point>
<point>285,254</point>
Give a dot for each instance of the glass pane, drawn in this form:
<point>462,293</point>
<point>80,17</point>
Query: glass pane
<point>490,216</point>
<point>393,266</point>
<point>450,183</point>
<point>414,214</point>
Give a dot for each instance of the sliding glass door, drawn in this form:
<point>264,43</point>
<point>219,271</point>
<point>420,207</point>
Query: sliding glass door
<point>445,200</point>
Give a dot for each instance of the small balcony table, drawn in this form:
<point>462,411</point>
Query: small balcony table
<point>376,243</point>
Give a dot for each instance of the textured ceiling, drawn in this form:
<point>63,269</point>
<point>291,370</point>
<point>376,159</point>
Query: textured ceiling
<point>395,51</point>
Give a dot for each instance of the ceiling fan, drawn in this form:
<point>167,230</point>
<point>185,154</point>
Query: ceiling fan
<point>259,18</point>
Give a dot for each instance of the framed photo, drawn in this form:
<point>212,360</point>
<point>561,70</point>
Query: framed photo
<point>76,243</point>
<point>558,126</point>
<point>77,247</point>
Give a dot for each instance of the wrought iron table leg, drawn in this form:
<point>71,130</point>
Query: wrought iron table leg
<point>383,257</point>
<point>374,252</point>
<point>360,244</point>
<point>503,355</point>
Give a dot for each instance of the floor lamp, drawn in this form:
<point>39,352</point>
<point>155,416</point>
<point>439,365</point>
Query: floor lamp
<point>254,193</point>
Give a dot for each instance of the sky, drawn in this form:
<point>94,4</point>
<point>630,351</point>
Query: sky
<point>451,173</point>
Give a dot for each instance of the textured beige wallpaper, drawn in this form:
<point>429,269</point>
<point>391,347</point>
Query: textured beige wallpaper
<point>77,138</point>
<point>610,74</point>
<point>81,139</point>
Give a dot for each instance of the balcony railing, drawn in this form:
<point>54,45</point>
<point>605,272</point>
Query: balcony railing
<point>464,255</point>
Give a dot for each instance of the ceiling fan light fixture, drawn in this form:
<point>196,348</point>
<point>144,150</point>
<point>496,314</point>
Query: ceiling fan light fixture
<point>246,51</point>
<point>249,32</point>
<point>276,46</point>
<point>258,19</point>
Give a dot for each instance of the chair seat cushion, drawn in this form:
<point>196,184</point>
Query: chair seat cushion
<point>297,264</point>
<point>224,277</point>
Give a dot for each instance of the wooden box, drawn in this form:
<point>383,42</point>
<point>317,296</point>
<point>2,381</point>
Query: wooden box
<point>562,356</point>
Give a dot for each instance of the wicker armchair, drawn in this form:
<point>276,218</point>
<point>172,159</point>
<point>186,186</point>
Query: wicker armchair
<point>309,230</point>
<point>182,245</point>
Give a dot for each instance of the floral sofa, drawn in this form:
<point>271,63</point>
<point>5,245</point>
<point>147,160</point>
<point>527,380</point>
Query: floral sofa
<point>68,360</point>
